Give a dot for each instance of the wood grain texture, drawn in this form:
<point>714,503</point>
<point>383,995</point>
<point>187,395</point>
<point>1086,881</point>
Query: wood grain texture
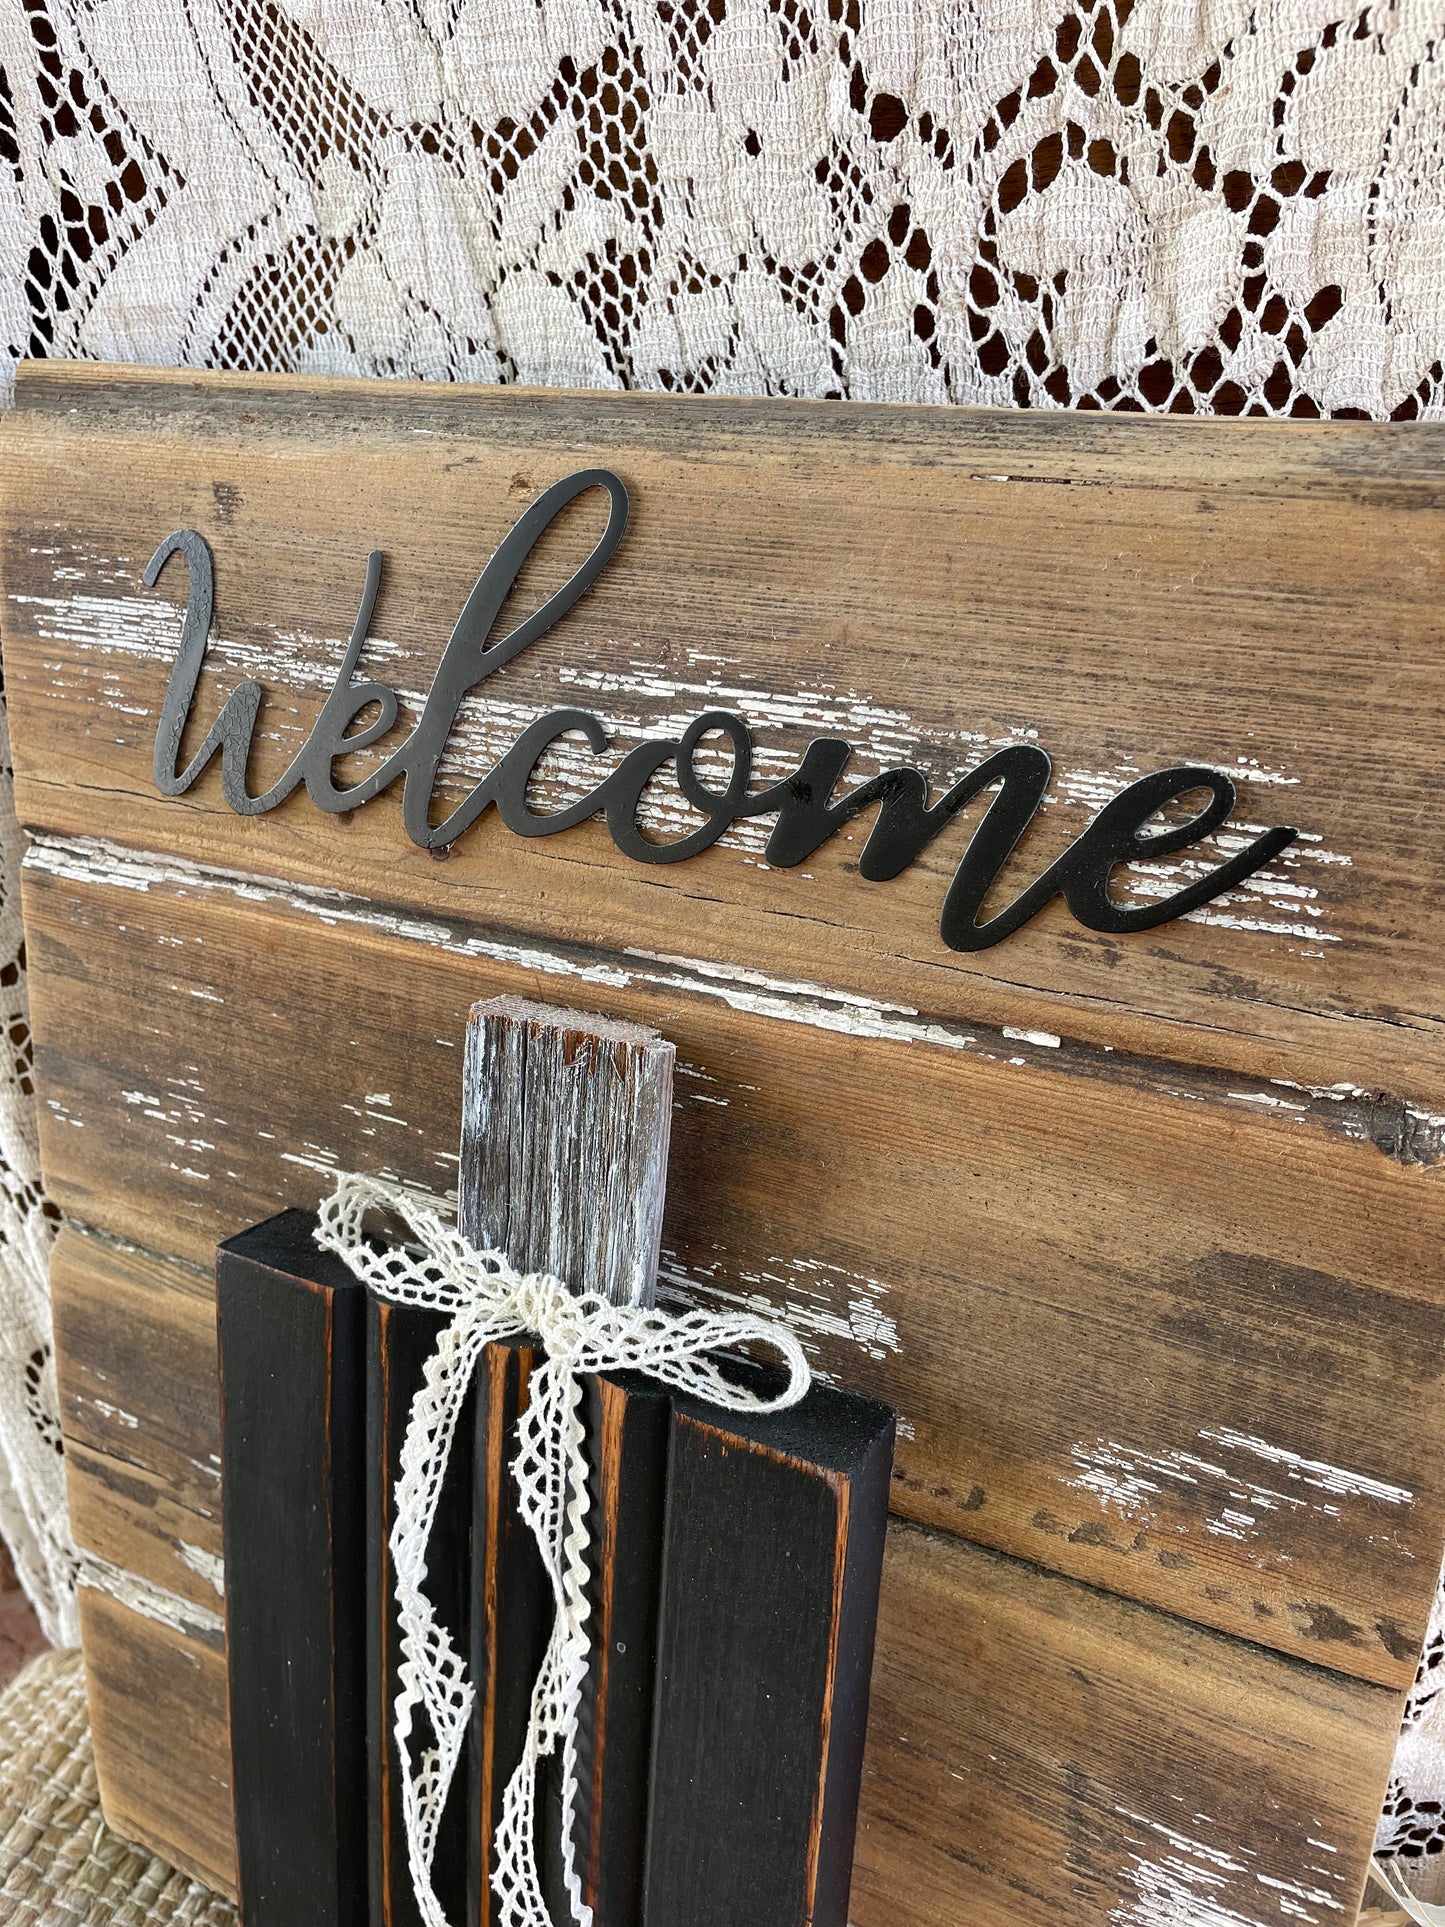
<point>399,1340</point>
<point>1143,1336</point>
<point>135,1337</point>
<point>159,1724</point>
<point>1140,1235</point>
<point>1037,1750</point>
<point>1137,592</point>
<point>1041,1752</point>
<point>510,1624</point>
<point>768,1603</point>
<point>627,1419</point>
<point>291,1322</point>
<point>566,1118</point>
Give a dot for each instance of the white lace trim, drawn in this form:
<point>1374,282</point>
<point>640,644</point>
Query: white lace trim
<point>33,1516</point>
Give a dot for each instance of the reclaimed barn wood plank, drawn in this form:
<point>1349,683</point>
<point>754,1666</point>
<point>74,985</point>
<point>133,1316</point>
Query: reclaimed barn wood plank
<point>128,1317</point>
<point>124,1513</point>
<point>1137,593</point>
<point>1037,1750</point>
<point>161,1731</point>
<point>1140,1332</point>
<point>1083,1759</point>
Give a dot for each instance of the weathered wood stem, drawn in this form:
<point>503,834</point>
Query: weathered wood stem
<point>566,1122</point>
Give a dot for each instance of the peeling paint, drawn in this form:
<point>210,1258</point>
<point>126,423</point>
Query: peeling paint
<point>1315,1472</point>
<point>1180,1880</point>
<point>151,1601</point>
<point>209,1566</point>
<point>819,1300</point>
<point>108,1411</point>
<point>1395,1127</point>
<point>1136,1484</point>
<point>641,697</point>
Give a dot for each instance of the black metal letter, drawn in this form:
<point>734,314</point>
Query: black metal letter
<point>232,730</point>
<point>622,792</point>
<point>1116,835</point>
<point>467,660</point>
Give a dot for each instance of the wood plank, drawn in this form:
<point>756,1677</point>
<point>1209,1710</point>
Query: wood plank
<point>1141,1234</point>
<point>399,1341</point>
<point>1037,1751</point>
<point>1041,1752</point>
<point>159,1724</point>
<point>1138,592</point>
<point>772,1559</point>
<point>135,1338</point>
<point>566,1120</point>
<point>292,1328</point>
<point>1134,1334</point>
<point>124,1513</point>
<point>565,1126</point>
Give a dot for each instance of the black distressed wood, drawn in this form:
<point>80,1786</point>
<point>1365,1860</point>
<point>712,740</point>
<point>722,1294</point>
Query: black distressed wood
<point>771,1570</point>
<point>292,1339</point>
<point>399,1340</point>
<point>628,1421</point>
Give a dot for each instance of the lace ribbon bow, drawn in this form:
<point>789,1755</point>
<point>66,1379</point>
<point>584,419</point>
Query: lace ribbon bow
<point>488,1300</point>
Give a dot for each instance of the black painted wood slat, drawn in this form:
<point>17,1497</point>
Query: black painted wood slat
<point>291,1324</point>
<point>771,1568</point>
<point>511,1615</point>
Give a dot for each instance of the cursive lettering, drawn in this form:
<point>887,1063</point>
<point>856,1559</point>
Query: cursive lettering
<point>807,810</point>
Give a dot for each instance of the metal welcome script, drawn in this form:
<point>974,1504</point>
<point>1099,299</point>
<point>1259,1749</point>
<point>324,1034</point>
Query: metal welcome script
<point>804,803</point>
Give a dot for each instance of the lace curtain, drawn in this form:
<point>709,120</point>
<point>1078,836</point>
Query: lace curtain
<point>1198,206</point>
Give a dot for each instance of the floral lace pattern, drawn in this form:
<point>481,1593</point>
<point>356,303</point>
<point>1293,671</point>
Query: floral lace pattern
<point>1214,206</point>
<point>1217,207</point>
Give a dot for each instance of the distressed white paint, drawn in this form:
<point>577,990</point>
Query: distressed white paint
<point>115,1414</point>
<point>99,863</point>
<point>206,1565</point>
<point>820,1301</point>
<point>1181,1879</point>
<point>1315,1472</point>
<point>151,1601</point>
<point>1135,1484</point>
<point>636,697</point>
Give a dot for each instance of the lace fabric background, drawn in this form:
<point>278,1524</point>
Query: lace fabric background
<point>1159,205</point>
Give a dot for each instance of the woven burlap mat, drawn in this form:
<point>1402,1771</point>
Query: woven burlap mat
<point>60,1864</point>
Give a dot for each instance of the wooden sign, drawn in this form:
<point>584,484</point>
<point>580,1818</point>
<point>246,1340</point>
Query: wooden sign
<point>1137,1226</point>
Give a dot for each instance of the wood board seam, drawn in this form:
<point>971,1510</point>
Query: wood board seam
<point>1402,1131</point>
<point>1047,1575</point>
<point>111,1241</point>
<point>109,1576</point>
